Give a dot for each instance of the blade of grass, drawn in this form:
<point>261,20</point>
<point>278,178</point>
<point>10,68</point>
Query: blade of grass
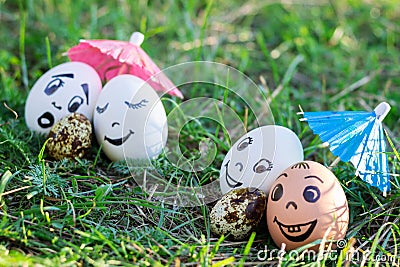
<point>247,249</point>
<point>396,153</point>
<point>203,28</point>
<point>5,178</point>
<point>22,27</point>
<point>48,52</point>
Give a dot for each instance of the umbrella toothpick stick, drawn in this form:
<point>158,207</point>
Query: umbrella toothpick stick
<point>334,163</point>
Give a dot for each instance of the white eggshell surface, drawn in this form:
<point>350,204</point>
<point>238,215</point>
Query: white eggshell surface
<point>129,119</point>
<point>71,87</point>
<point>258,157</point>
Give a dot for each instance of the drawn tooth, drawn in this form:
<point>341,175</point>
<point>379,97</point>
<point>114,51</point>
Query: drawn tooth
<point>294,229</point>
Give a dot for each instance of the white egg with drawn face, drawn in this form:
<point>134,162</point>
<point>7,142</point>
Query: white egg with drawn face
<point>258,157</point>
<point>129,119</point>
<point>71,87</point>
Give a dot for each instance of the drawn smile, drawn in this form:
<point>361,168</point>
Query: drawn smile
<point>229,179</point>
<point>119,141</point>
<point>297,232</point>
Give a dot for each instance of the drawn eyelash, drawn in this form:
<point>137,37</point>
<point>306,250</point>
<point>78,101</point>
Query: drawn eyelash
<point>101,109</point>
<point>53,86</point>
<point>244,143</point>
<point>138,105</point>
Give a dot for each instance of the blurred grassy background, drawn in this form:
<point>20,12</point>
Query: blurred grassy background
<point>351,57</point>
<point>343,42</point>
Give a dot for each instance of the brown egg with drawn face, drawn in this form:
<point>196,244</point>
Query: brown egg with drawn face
<point>304,202</point>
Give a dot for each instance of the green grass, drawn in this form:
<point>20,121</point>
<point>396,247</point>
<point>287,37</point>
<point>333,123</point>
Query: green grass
<point>338,55</point>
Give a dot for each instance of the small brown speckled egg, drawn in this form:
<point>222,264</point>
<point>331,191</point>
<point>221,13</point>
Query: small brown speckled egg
<point>70,137</point>
<point>238,212</point>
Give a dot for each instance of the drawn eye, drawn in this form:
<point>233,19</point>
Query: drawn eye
<point>244,143</point>
<point>53,86</point>
<point>75,103</point>
<point>101,109</point>
<point>311,194</point>
<point>277,192</point>
<point>262,165</point>
<point>138,105</point>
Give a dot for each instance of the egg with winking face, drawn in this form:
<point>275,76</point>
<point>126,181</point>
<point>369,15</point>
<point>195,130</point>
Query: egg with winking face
<point>129,119</point>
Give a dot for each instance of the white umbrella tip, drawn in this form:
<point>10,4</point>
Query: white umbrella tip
<point>137,38</point>
<point>382,110</point>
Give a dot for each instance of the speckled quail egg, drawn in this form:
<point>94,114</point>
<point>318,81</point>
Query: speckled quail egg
<point>70,137</point>
<point>238,212</point>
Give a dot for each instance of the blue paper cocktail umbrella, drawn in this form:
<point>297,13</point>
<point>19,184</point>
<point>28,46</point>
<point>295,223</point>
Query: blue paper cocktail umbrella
<point>358,137</point>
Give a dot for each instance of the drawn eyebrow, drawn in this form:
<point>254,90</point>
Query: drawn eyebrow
<point>68,75</point>
<point>101,109</point>
<point>85,89</point>
<point>283,174</point>
<point>314,177</point>
<point>138,105</point>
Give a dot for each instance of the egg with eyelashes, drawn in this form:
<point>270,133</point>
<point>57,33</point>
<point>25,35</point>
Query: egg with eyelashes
<point>129,119</point>
<point>257,158</point>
